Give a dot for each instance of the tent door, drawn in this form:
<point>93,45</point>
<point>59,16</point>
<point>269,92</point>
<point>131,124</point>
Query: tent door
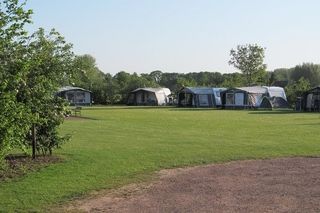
<point>203,100</point>
<point>309,101</point>
<point>239,99</point>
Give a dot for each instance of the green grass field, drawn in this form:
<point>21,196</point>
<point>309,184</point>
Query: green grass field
<point>122,145</point>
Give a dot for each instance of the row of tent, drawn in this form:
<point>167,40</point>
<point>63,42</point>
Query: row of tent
<point>243,97</point>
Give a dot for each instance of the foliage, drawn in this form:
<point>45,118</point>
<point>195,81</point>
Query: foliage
<point>31,69</point>
<point>281,74</point>
<point>296,89</point>
<point>233,80</point>
<point>88,76</point>
<point>14,116</point>
<point>47,135</point>
<point>49,57</point>
<point>120,146</point>
<point>308,71</point>
<point>249,60</point>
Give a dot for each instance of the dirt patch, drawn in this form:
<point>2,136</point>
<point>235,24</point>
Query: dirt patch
<point>19,165</point>
<point>279,185</point>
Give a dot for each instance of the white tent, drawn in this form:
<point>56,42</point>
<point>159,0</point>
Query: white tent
<point>149,96</point>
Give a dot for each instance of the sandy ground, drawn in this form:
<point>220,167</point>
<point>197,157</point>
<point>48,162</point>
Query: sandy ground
<point>279,185</point>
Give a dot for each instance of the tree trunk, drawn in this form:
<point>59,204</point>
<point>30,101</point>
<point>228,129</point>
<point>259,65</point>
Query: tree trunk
<point>34,141</point>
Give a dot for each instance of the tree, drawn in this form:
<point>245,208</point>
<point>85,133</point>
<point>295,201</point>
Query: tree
<point>308,71</point>
<point>48,58</point>
<point>31,69</point>
<point>156,76</point>
<point>112,90</point>
<point>90,77</point>
<point>14,116</point>
<point>296,89</point>
<point>249,60</point>
<point>232,80</point>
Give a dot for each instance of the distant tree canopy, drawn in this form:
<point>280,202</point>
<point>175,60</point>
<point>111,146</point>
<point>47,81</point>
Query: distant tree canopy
<point>114,89</point>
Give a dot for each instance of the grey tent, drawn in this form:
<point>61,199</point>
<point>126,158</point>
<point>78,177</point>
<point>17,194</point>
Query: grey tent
<point>254,97</point>
<point>199,97</point>
<point>310,100</point>
<point>149,96</point>
<point>75,95</point>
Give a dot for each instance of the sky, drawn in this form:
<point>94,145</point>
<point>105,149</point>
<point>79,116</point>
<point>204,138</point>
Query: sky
<point>183,35</point>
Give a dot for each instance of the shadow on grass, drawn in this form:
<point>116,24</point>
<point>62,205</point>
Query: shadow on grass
<point>273,112</point>
<point>127,107</point>
<point>75,118</point>
<point>183,109</point>
<point>277,112</point>
<point>310,124</point>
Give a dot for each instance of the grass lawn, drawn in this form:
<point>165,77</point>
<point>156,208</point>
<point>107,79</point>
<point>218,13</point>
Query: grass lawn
<point>122,145</point>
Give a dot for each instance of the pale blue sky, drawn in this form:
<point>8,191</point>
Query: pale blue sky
<point>183,35</point>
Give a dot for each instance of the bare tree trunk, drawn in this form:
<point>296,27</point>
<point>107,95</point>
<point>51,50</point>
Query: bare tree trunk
<point>34,141</point>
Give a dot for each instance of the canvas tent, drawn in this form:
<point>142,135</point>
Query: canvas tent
<point>254,97</point>
<point>310,101</point>
<point>149,96</point>
<point>75,95</point>
<point>199,97</point>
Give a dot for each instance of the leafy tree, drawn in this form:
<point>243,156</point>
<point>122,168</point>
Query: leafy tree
<point>14,115</point>
<point>49,57</point>
<point>31,68</point>
<point>308,71</point>
<point>111,90</point>
<point>185,82</point>
<point>249,60</point>
<point>169,80</point>
<point>233,80</point>
<point>156,76</point>
<point>90,77</point>
<point>296,89</point>
<point>282,74</point>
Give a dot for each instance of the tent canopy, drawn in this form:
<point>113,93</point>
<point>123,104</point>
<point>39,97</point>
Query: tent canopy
<point>253,97</point>
<point>149,96</point>
<point>199,97</point>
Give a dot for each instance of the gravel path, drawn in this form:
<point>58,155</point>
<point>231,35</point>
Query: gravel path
<point>278,185</point>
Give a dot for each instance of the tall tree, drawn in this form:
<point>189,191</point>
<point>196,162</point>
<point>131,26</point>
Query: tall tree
<point>296,89</point>
<point>156,76</point>
<point>13,40</point>
<point>31,68</point>
<point>249,60</point>
<point>49,57</point>
<point>90,77</point>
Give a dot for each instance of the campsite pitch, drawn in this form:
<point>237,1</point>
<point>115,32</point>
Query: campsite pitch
<point>279,185</point>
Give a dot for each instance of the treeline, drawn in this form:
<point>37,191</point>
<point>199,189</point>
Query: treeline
<point>113,89</point>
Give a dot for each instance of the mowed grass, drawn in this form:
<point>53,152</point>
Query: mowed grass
<point>122,145</point>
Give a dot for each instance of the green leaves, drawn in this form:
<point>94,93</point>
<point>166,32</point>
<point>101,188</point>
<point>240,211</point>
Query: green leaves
<point>249,60</point>
<point>31,68</point>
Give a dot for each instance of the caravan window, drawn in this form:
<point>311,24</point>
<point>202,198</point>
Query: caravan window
<point>229,99</point>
